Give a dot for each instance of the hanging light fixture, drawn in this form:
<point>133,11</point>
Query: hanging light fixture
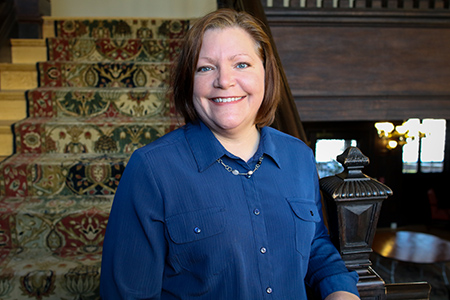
<point>393,136</point>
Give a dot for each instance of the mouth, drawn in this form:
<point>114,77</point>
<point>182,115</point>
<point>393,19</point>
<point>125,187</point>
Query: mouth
<point>226,100</point>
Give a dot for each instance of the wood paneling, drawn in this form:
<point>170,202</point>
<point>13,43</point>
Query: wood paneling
<point>343,68</point>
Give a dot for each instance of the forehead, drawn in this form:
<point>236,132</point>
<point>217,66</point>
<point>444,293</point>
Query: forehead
<point>230,37</point>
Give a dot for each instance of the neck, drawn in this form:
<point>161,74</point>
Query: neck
<point>243,145</point>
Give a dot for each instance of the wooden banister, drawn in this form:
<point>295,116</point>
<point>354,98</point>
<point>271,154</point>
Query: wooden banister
<point>413,291</point>
<point>353,202</point>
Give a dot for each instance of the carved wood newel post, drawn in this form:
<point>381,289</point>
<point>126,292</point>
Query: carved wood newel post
<point>353,203</point>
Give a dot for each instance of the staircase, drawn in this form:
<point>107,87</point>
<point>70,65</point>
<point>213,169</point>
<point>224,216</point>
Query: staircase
<point>100,95</point>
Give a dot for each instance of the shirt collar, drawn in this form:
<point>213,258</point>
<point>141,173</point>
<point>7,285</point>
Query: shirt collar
<point>207,149</point>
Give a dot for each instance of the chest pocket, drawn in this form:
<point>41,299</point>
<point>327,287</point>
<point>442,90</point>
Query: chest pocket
<point>306,216</point>
<point>196,238</point>
<point>196,225</point>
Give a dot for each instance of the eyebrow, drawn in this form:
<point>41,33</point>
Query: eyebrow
<point>231,58</point>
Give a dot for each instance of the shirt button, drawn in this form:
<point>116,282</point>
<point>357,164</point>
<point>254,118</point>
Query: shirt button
<point>197,230</point>
<point>269,290</point>
<point>256,211</point>
<point>311,212</point>
<point>263,250</point>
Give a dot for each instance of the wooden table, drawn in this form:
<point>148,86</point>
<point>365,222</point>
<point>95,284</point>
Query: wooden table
<point>412,247</point>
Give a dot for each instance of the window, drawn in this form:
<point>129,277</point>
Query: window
<point>425,153</point>
<point>326,152</point>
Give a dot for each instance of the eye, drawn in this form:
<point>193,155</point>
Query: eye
<point>242,65</point>
<point>204,69</point>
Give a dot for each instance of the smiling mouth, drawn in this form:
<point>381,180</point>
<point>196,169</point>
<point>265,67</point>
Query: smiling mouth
<point>225,100</point>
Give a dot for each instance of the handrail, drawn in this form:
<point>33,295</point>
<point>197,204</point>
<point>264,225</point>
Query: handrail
<point>396,5</point>
<point>415,290</point>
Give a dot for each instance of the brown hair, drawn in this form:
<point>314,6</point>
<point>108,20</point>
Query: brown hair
<point>182,79</point>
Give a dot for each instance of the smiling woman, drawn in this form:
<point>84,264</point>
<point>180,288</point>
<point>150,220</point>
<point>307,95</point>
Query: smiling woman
<point>224,207</point>
<point>229,88</point>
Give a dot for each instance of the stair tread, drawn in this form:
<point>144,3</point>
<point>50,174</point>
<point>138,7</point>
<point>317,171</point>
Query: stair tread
<point>30,221</point>
<point>86,121</point>
<point>43,258</point>
<point>95,74</point>
<point>27,42</point>
<point>113,49</point>
<point>71,62</point>
<point>94,89</point>
<point>40,274</point>
<point>48,174</point>
<point>17,67</point>
<point>4,93</point>
<point>57,158</point>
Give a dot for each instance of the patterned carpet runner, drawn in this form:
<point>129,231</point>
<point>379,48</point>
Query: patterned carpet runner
<point>100,96</point>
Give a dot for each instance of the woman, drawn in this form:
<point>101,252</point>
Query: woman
<point>224,207</point>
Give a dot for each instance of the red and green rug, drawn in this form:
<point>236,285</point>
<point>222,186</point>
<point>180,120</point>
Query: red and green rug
<point>100,96</point>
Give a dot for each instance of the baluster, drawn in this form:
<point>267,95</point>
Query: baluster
<point>438,4</point>
<point>278,3</point>
<point>327,3</point>
<point>377,4</point>
<point>296,3</point>
<point>408,4</point>
<point>360,4</point>
<point>392,4</point>
<point>310,3</point>
<point>424,4</point>
<point>344,4</point>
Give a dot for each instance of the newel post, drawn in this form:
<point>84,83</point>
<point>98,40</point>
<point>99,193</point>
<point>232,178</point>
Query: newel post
<point>353,203</point>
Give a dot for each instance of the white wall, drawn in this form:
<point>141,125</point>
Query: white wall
<point>132,8</point>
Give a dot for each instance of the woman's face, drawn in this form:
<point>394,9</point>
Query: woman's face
<point>229,81</point>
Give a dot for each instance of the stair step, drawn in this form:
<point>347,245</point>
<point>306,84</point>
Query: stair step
<point>28,50</point>
<point>121,28</point>
<point>99,102</point>
<point>27,175</point>
<point>40,274</point>
<point>108,49</point>
<point>17,76</point>
<point>13,105</point>
<point>60,224</point>
<point>106,74</point>
<point>89,135</point>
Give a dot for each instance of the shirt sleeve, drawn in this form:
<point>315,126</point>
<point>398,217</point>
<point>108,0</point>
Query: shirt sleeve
<point>134,247</point>
<point>327,272</point>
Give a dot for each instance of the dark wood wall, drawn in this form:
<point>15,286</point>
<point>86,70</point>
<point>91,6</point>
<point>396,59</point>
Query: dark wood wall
<point>349,66</point>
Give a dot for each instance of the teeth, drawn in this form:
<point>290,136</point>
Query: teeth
<point>224,100</point>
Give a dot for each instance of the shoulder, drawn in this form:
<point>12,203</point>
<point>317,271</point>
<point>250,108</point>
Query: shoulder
<point>286,142</point>
<point>166,143</point>
<point>159,154</point>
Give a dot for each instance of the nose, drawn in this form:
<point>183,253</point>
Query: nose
<point>224,79</point>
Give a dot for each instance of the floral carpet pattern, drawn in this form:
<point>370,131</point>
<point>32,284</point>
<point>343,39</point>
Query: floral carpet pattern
<point>101,95</point>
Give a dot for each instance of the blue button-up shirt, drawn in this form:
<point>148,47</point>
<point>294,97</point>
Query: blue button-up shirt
<point>183,227</point>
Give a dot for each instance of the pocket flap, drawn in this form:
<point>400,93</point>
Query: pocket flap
<point>304,209</point>
<point>195,225</point>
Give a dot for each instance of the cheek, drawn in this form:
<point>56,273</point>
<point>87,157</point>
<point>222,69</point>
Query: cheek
<point>200,87</point>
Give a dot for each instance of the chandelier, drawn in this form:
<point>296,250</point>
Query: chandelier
<point>393,136</point>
